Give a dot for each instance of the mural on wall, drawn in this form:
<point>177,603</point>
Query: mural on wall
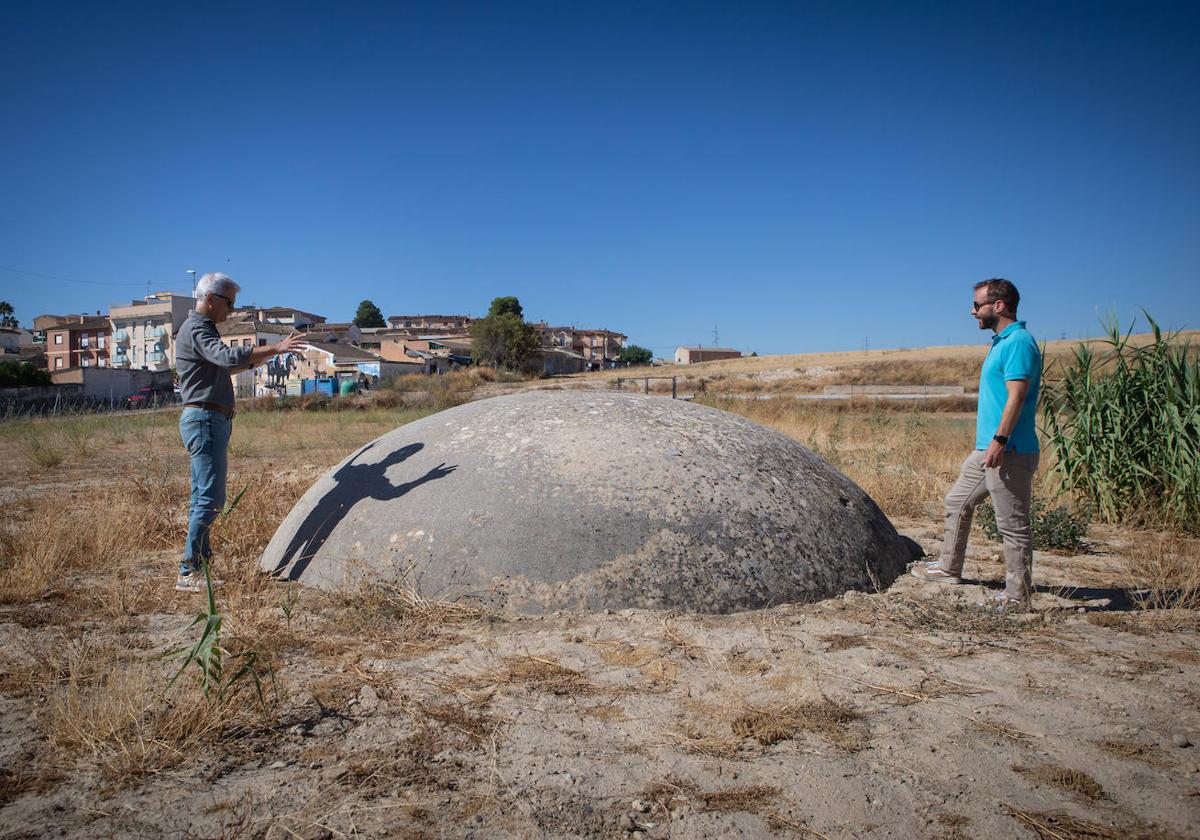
<point>279,368</point>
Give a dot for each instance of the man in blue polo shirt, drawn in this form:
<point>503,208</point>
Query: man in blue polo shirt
<point>1006,449</point>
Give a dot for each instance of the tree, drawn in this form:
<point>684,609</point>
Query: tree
<point>22,374</point>
<point>503,338</point>
<point>368,315</point>
<point>6,315</point>
<point>506,306</point>
<point>636,355</point>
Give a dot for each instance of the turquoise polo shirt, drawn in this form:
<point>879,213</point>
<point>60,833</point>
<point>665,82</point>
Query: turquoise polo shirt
<point>1013,355</point>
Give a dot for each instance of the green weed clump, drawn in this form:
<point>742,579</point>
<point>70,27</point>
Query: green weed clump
<point>1124,425</point>
<point>1059,528</point>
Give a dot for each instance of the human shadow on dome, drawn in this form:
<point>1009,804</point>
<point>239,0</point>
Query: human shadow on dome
<point>354,482</point>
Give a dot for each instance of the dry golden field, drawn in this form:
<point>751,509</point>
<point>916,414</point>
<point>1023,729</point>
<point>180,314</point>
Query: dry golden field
<point>903,713</point>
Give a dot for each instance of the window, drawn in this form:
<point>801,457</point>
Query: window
<point>100,341</point>
<point>262,342</point>
<point>58,338</point>
<point>58,361</point>
<point>85,363</point>
<point>83,339</point>
<point>101,363</point>
<point>247,342</point>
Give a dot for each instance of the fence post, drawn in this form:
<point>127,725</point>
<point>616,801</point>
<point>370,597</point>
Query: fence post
<point>646,385</point>
<point>672,387</point>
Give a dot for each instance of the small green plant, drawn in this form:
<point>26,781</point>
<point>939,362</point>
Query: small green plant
<point>288,604</point>
<point>41,453</point>
<point>1059,528</point>
<point>220,671</point>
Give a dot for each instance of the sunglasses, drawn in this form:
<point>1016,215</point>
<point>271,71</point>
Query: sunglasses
<point>976,305</point>
<point>222,297</point>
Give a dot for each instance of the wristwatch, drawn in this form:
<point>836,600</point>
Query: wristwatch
<point>1001,439</point>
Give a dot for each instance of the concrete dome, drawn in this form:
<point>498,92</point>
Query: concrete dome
<point>589,500</point>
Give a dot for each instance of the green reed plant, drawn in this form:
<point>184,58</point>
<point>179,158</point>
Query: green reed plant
<point>1124,425</point>
<point>220,671</point>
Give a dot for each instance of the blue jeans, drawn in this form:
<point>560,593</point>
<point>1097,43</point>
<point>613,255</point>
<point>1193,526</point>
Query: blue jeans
<point>206,436</point>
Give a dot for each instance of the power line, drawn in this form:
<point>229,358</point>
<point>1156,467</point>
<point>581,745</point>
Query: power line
<point>64,279</point>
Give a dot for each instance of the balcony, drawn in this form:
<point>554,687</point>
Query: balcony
<point>155,358</point>
<point>121,337</point>
<point>155,332</point>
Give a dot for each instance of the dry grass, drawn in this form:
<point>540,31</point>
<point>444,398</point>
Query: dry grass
<point>844,641</point>
<point>1142,751</point>
<point>1166,568</point>
<point>1061,826</point>
<point>666,794</point>
<point>1075,782</point>
<point>537,673</point>
<point>107,704</point>
<point>905,460</point>
<point>750,798</point>
<point>467,720</point>
<point>833,721</point>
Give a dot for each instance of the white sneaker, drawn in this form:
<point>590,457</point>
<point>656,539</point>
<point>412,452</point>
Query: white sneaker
<point>194,582</point>
<point>933,572</point>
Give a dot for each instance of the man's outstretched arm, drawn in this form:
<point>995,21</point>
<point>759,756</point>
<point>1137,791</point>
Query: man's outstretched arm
<point>296,343</point>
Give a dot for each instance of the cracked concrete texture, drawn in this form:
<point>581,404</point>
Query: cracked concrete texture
<point>551,500</point>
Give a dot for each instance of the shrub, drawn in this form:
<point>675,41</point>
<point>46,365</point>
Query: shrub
<point>1125,429</point>
<point>22,374</point>
<point>1060,528</point>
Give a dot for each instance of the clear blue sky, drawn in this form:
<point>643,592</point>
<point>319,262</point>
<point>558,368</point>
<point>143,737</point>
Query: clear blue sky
<point>801,176</point>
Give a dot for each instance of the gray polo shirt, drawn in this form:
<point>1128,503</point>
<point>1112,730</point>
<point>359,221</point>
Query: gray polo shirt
<point>204,362</point>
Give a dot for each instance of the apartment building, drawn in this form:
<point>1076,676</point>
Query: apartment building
<point>143,331</point>
<point>81,343</point>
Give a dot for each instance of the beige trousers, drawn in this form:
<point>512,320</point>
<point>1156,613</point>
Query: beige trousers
<point>1011,487</point>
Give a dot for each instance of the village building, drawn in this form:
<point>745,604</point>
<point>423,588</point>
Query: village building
<point>558,361</point>
<point>431,323</point>
<point>425,354</point>
<point>81,343</point>
<point>694,355</point>
<point>12,339</point>
<point>345,333</point>
<point>599,348</point>
<point>342,361</point>
<point>368,338</point>
<point>287,315</point>
<point>143,331</point>
<point>45,322</point>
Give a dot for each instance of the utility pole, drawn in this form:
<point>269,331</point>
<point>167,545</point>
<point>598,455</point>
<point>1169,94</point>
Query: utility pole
<point>716,337</point>
<point>192,272</point>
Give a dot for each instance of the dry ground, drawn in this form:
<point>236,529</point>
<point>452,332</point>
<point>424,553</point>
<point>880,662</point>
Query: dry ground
<point>906,713</point>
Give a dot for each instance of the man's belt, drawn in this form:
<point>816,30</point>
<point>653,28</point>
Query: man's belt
<point>227,410</point>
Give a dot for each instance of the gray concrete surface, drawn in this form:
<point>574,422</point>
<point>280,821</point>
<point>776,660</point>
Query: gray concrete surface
<point>589,500</point>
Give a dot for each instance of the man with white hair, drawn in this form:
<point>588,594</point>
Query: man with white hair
<point>204,364</point>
